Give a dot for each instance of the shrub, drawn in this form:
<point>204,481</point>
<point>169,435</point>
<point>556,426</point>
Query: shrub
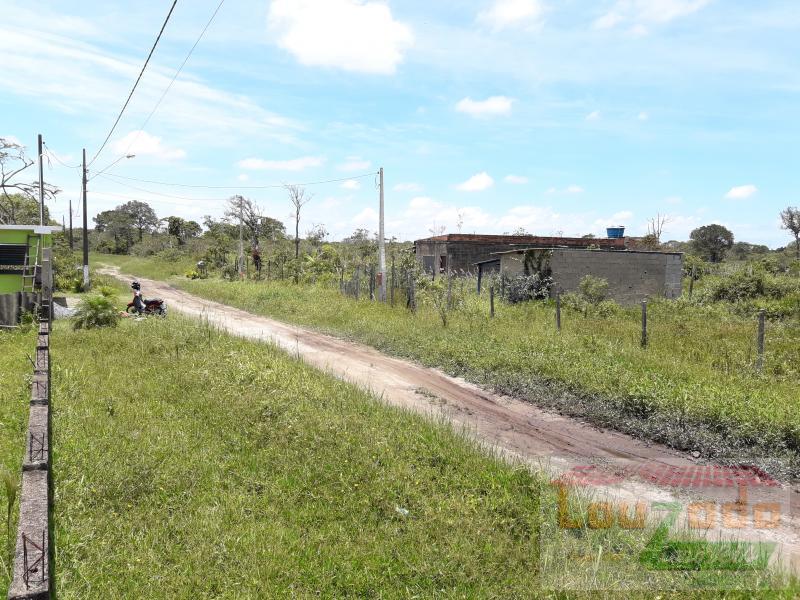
<point>192,274</point>
<point>96,311</point>
<point>107,291</point>
<point>593,289</point>
<point>528,287</point>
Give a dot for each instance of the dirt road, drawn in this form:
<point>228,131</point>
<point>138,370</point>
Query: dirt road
<point>610,463</point>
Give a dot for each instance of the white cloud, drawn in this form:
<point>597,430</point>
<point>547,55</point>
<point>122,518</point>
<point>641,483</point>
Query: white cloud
<point>515,179</point>
<point>407,187</point>
<point>593,116</point>
<point>570,189</point>
<point>351,184</point>
<point>477,183</point>
<point>295,164</point>
<point>673,200</point>
<point>142,144</point>
<point>741,192</point>
<point>491,107</point>
<point>423,212</point>
<point>643,116</point>
<point>503,14</point>
<point>641,12</point>
<point>243,177</point>
<point>353,35</point>
<point>355,163</point>
<point>367,218</point>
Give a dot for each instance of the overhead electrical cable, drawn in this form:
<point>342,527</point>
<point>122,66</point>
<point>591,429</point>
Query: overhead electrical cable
<point>172,81</point>
<point>136,83</point>
<point>237,187</point>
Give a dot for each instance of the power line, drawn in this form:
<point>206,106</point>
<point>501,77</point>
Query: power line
<point>54,156</point>
<point>174,77</point>
<point>136,83</point>
<point>237,187</point>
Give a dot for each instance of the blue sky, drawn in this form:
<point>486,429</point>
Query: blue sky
<point>487,115</point>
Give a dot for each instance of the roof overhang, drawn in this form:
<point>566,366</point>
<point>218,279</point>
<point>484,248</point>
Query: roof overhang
<point>37,229</point>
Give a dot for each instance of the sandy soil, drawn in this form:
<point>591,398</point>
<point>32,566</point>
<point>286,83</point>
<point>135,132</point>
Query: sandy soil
<point>607,463</point>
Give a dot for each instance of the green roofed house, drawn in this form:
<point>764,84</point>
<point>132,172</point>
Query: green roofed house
<point>24,258</point>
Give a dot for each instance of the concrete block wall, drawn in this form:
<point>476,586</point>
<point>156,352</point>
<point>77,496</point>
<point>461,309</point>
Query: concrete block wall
<point>632,276</point>
<point>32,569</point>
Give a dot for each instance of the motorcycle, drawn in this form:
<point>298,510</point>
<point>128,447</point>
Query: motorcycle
<point>156,306</point>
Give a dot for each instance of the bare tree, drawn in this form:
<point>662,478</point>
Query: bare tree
<point>13,161</point>
<point>655,227</point>
<point>790,219</point>
<point>298,198</point>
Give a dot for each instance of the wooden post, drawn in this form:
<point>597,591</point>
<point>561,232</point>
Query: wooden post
<point>691,282</point>
<point>480,276</point>
<point>644,323</point>
<point>558,310</point>
<point>502,286</point>
<point>761,329</point>
<point>358,282</point>
<point>371,282</point>
<point>491,302</point>
<point>412,287</point>
<point>394,283</point>
<point>449,290</point>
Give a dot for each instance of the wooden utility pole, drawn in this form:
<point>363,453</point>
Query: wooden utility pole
<point>41,182</point>
<point>86,282</point>
<point>381,247</point>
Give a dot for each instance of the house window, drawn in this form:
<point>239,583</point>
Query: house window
<point>12,258</point>
<point>443,264</point>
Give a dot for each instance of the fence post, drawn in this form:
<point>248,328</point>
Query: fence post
<point>358,282</point>
<point>691,282</point>
<point>644,323</point>
<point>393,284</point>
<point>449,290</point>
<point>491,302</point>
<point>502,286</point>
<point>558,311</point>
<point>761,329</point>
<point>412,287</point>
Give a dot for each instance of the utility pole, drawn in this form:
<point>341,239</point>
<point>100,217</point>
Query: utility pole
<point>71,241</point>
<point>41,183</point>
<point>381,248</point>
<point>86,282</point>
<point>241,240</point>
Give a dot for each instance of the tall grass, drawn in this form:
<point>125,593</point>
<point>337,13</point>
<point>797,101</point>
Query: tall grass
<point>696,383</point>
<point>15,377</point>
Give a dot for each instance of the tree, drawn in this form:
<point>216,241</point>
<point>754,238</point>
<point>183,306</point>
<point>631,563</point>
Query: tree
<point>13,161</point>
<point>118,225</point>
<point>255,223</point>
<point>298,198</point>
<point>712,241</point>
<point>316,235</point>
<point>655,227</point>
<point>182,229</point>
<point>144,218</point>
<point>790,218</point>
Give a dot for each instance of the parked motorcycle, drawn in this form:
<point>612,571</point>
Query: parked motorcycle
<point>156,306</point>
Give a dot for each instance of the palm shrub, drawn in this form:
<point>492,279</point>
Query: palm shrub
<point>96,311</point>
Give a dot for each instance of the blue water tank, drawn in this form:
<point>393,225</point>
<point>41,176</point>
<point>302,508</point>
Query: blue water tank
<point>615,233</point>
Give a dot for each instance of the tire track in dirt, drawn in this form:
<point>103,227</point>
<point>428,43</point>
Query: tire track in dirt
<point>516,428</point>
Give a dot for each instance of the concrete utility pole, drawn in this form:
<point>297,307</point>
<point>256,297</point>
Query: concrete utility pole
<point>381,248</point>
<point>41,183</point>
<point>86,282</point>
<point>241,240</point>
<point>71,241</point>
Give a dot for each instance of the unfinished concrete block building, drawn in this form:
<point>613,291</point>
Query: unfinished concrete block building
<point>632,275</point>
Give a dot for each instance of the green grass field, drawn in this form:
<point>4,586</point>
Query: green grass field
<point>191,464</point>
<point>695,386</point>
<point>15,381</point>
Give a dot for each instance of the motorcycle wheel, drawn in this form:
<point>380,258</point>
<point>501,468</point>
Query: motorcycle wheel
<point>131,310</point>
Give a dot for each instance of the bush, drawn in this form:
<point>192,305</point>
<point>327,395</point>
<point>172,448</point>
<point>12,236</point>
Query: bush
<point>528,287</point>
<point>593,289</point>
<point>107,291</point>
<point>96,311</point>
<point>192,274</point>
